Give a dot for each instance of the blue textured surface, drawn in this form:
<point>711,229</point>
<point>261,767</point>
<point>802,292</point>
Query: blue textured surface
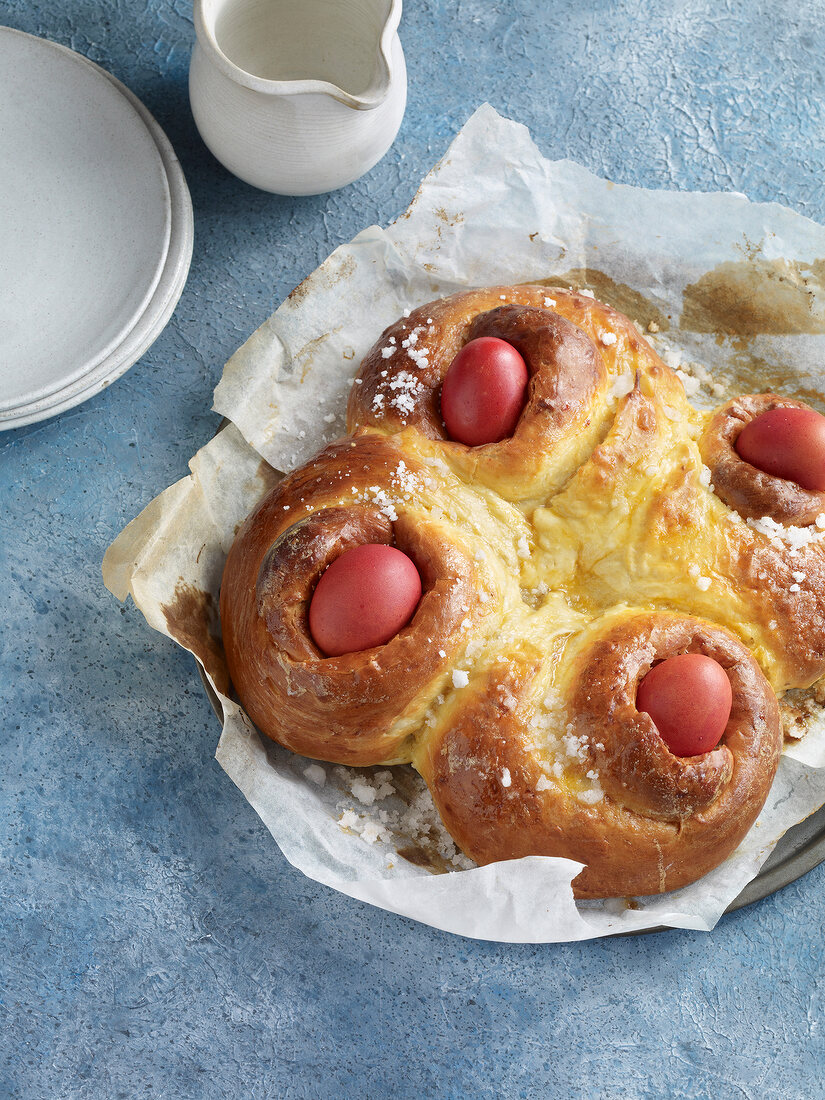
<point>154,941</point>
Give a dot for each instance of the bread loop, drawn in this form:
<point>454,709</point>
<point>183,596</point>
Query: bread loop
<point>636,768</point>
<point>744,488</point>
<point>569,767</point>
<point>358,708</point>
<point>399,386</point>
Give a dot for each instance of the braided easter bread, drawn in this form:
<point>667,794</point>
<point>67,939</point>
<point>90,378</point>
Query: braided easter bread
<point>563,565</point>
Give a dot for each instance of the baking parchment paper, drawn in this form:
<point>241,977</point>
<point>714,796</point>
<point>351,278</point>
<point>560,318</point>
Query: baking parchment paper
<point>728,290</point>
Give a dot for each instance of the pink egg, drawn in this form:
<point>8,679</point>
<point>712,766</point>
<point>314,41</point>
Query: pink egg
<point>484,392</point>
<point>786,443</point>
<point>689,699</point>
<point>363,599</point>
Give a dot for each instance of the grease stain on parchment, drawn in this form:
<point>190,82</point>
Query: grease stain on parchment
<point>420,850</point>
<point>445,220</point>
<point>746,372</point>
<point>192,620</point>
<point>449,219</point>
<point>800,708</point>
<point>619,295</point>
<point>325,277</point>
<point>302,359</point>
<point>268,476</point>
<point>757,296</point>
<point>427,858</point>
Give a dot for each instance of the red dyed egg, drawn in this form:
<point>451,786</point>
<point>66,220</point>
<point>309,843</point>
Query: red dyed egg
<point>786,443</point>
<point>484,392</point>
<point>689,699</point>
<point>363,599</point>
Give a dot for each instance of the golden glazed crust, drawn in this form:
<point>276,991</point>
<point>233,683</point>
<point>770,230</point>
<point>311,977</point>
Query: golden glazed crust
<point>347,709</point>
<point>641,523</point>
<point>650,821</point>
<point>557,566</point>
<point>568,389</point>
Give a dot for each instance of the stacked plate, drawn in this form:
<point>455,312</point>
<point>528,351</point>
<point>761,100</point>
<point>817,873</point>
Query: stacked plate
<point>96,229</point>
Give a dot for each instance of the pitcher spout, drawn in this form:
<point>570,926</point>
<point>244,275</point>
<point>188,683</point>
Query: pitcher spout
<point>340,48</point>
<point>388,16</point>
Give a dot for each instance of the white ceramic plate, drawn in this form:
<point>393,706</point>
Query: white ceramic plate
<point>96,225</point>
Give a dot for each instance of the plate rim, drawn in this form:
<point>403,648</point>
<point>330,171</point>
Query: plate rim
<point>87,83</point>
<point>168,288</point>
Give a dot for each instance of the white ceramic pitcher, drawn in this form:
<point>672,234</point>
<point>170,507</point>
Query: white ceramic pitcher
<point>298,96</point>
